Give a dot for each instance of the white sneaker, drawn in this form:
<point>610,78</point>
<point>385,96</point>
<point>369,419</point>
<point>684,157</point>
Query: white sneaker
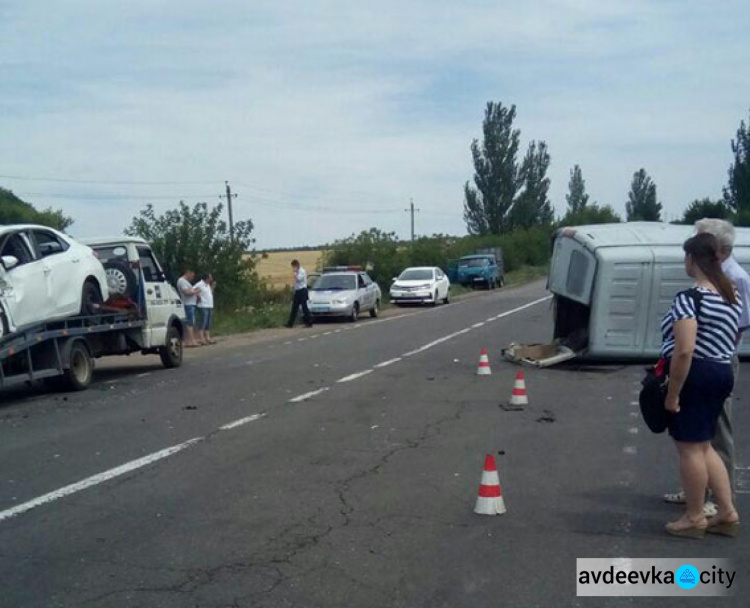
<point>709,509</point>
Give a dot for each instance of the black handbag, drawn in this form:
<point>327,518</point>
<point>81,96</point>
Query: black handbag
<point>652,396</point>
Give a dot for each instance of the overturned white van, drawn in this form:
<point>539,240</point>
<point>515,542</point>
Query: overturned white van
<point>612,284</point>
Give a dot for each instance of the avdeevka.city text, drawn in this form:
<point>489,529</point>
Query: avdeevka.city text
<point>652,577</point>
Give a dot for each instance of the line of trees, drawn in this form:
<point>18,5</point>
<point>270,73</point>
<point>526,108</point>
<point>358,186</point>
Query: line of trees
<point>506,195</point>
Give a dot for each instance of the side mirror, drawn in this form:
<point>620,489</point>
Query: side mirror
<point>9,261</point>
<point>394,279</point>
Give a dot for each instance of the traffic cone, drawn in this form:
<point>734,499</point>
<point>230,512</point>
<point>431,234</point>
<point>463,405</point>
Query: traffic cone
<point>518,397</point>
<point>484,364</point>
<point>490,500</point>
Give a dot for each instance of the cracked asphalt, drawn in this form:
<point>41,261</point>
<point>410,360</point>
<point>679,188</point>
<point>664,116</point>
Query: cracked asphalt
<point>361,495</point>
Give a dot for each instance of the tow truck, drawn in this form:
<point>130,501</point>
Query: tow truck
<point>148,320</point>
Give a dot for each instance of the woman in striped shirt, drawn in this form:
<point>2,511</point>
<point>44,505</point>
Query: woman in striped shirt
<point>699,335</point>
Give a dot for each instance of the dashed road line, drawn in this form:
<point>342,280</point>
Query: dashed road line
<point>241,421</point>
<point>304,397</point>
<point>98,479</point>
<point>351,377</point>
<point>387,363</point>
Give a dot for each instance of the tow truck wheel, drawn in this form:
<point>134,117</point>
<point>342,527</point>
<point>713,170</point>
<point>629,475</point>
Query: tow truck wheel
<point>171,352</point>
<point>81,367</point>
<point>375,308</point>
<point>91,297</point>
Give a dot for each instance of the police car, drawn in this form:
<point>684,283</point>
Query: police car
<point>344,291</point>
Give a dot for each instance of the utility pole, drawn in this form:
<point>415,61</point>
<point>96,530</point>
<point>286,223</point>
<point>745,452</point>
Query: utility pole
<point>411,210</point>
<point>229,196</point>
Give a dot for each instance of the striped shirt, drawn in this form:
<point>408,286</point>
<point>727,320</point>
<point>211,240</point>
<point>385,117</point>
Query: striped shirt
<point>717,325</point>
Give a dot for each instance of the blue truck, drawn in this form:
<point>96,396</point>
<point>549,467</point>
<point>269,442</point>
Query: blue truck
<point>485,267</point>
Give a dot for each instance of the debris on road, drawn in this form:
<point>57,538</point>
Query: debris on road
<point>538,355</point>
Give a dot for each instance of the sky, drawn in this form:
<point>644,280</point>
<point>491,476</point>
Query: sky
<point>327,118</point>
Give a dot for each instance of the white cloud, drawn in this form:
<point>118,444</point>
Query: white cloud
<point>358,106</point>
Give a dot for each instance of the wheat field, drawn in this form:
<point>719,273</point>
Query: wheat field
<point>276,267</point>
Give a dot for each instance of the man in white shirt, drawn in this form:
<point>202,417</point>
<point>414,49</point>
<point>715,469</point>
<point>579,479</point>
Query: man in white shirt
<point>723,441</point>
<point>189,296</point>
<point>300,295</point>
<point>205,288</point>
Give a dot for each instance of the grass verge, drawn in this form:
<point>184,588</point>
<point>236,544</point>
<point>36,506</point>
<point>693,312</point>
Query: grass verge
<point>275,315</point>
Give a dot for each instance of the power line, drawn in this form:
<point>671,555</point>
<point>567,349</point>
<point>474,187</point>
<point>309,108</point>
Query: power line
<point>27,178</point>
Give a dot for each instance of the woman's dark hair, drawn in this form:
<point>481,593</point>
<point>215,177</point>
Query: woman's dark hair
<point>703,248</point>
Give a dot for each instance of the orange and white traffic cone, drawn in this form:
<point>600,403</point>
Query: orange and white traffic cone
<point>490,500</point>
<point>519,397</point>
<point>484,364</point>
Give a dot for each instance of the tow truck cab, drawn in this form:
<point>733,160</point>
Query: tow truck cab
<point>133,271</point>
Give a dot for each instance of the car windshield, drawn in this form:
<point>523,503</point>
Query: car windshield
<point>416,274</point>
<point>335,281</point>
<point>473,262</point>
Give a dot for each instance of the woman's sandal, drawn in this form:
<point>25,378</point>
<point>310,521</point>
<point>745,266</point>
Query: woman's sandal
<point>687,528</point>
<point>723,528</point>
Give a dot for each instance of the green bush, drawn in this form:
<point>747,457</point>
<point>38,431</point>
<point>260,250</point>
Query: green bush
<point>385,256</point>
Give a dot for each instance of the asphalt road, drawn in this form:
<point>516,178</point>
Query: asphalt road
<point>338,467</point>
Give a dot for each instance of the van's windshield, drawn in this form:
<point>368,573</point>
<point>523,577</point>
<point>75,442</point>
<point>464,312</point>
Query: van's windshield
<point>473,263</point>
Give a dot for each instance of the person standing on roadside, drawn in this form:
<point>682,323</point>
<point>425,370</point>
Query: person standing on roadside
<point>723,441</point>
<point>300,295</point>
<point>699,340</point>
<point>205,289</point>
<point>189,296</point>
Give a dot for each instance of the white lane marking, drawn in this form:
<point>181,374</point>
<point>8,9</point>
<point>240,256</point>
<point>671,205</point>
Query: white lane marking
<point>634,414</point>
<point>524,307</point>
<point>97,479</point>
<point>336,331</point>
<point>288,342</point>
<point>143,375</point>
<point>490,320</point>
<point>241,421</point>
<point>301,339</point>
<point>327,333</point>
<point>428,346</point>
<point>477,325</point>
<point>389,362</point>
<point>630,449</point>
<point>300,398</point>
<point>314,337</point>
<point>633,430</point>
<point>354,376</point>
<point>634,403</point>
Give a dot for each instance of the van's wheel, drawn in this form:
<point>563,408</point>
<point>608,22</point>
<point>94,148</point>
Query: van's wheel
<point>120,278</point>
<point>171,352</point>
<point>354,315</point>
<point>375,309</point>
<point>80,369</point>
<point>91,297</point>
